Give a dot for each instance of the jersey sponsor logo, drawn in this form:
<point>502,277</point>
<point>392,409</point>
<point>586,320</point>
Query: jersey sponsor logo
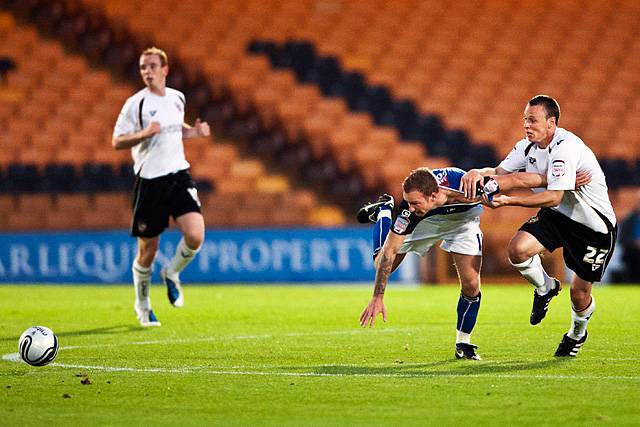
<point>401,224</point>
<point>557,168</point>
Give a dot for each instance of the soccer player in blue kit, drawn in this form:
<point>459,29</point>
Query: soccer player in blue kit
<point>432,210</point>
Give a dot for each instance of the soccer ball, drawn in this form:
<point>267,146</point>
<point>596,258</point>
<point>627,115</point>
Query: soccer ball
<point>38,346</point>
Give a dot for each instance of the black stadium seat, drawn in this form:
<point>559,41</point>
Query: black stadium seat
<point>59,178</point>
<point>98,177</point>
<point>22,178</point>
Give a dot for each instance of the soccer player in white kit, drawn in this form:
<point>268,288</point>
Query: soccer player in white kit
<point>581,220</point>
<point>152,125</point>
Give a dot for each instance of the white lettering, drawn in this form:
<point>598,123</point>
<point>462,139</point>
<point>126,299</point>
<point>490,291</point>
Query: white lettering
<point>320,252</point>
<point>89,259</point>
<point>342,248</point>
<point>228,259</point>
<point>207,251</point>
<point>299,256</point>
<point>43,262</point>
<point>113,271</point>
<point>364,248</point>
<point>19,255</point>
<point>65,252</point>
<point>262,249</point>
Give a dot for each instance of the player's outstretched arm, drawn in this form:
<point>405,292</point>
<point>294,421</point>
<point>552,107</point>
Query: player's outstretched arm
<point>132,139</point>
<point>470,180</point>
<point>199,129</point>
<point>384,268</point>
<point>455,196</point>
<point>516,180</point>
<point>544,199</point>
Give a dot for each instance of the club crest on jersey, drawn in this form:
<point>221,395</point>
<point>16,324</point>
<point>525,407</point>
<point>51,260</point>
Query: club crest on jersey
<point>442,178</point>
<point>532,160</point>
<point>401,224</point>
<point>557,168</point>
<point>532,220</point>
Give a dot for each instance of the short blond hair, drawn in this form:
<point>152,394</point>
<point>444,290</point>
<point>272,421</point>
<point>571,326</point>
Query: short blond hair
<point>164,60</point>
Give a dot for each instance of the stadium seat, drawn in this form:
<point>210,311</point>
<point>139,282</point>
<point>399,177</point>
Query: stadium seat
<point>59,177</point>
<point>22,178</point>
<point>98,177</point>
<point>442,59</point>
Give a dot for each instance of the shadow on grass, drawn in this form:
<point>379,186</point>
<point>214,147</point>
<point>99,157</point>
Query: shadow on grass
<point>107,330</point>
<point>447,367</point>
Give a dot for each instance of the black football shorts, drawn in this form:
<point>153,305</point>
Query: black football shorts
<point>155,200</point>
<point>585,251</point>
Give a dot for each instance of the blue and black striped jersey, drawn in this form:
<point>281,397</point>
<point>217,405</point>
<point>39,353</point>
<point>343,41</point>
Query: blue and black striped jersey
<point>405,221</point>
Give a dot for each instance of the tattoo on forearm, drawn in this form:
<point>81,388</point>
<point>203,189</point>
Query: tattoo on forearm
<point>382,274</point>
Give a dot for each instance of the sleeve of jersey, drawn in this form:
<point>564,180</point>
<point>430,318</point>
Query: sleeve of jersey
<point>516,159</point>
<point>561,174</point>
<point>404,221</point>
<point>126,122</point>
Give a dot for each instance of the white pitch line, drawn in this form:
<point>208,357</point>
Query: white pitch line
<point>15,357</point>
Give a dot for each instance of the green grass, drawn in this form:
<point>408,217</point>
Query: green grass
<point>265,355</point>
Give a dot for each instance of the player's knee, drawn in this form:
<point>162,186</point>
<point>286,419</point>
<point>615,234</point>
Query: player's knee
<point>194,239</point>
<point>517,252</point>
<point>471,288</point>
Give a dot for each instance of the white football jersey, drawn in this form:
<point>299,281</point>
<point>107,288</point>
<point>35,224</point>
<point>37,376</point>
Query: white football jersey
<point>559,162</point>
<point>163,153</point>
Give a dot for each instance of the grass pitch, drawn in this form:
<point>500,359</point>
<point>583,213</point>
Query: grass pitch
<point>266,355</point>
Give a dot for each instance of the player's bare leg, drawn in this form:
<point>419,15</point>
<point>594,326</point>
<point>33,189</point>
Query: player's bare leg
<point>523,252</point>
<point>468,267</point>
<point>147,248</point>
<point>192,226</point>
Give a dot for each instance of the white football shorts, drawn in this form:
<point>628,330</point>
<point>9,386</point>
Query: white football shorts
<point>460,233</point>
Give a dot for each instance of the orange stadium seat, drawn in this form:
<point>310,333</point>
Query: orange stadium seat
<point>464,64</point>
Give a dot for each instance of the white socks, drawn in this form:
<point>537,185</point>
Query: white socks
<point>579,320</point>
<point>463,337</point>
<point>141,283</point>
<point>183,256</point>
<point>532,270</point>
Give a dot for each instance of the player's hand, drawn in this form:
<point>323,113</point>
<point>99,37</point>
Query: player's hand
<point>495,201</point>
<point>202,128</point>
<point>152,129</point>
<point>583,177</point>
<point>469,183</point>
<point>375,307</point>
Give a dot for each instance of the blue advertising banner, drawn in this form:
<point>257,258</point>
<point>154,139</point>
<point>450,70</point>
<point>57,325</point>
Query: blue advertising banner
<point>227,256</point>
